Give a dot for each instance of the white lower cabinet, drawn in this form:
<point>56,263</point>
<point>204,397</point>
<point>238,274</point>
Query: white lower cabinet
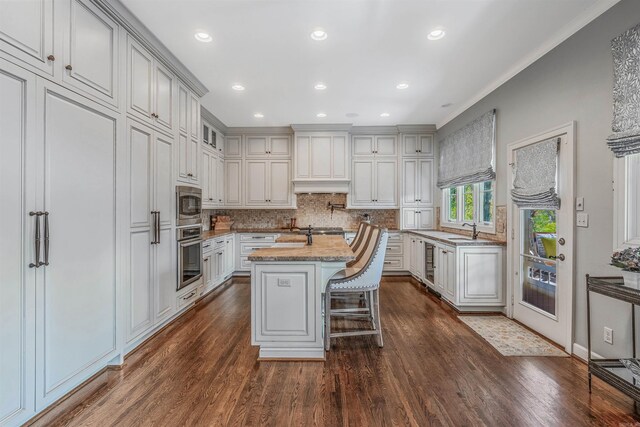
<point>150,290</point>
<point>394,259</point>
<point>219,261</point>
<point>58,318</point>
<point>249,242</point>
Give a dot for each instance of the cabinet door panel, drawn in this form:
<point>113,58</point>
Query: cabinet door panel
<point>450,273</point>
<point>207,197</point>
<point>426,145</point>
<point>140,314</point>
<point>386,179</point>
<point>362,145</point>
<point>257,146</point>
<point>425,219</point>
<point>194,160</point>
<point>409,145</point>
<point>165,275</point>
<point>425,183</point>
<point>232,146</point>
<point>164,191</point>
<point>232,183</point>
<point>140,80</point>
<point>194,116</point>
<point>256,182</point>
<point>17,303</point>
<point>91,49</point>
<point>362,182</point>
<point>280,146</point>
<point>80,141</point>
<point>409,219</point>
<point>26,32</point>
<point>339,153</point>
<point>409,182</point>
<point>183,156</point>
<point>140,196</point>
<point>219,181</point>
<point>321,157</point>
<point>183,109</point>
<point>279,180</point>
<point>386,145</point>
<point>163,97</point>
<point>303,157</point>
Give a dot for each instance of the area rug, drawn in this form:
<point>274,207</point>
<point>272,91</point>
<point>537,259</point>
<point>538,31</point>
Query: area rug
<point>510,338</point>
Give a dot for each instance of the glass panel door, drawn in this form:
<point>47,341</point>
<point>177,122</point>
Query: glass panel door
<point>538,260</point>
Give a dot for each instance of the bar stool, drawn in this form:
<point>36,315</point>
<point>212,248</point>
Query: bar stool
<point>359,280</point>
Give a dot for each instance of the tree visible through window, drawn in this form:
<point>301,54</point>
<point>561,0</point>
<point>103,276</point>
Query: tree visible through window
<point>469,203</point>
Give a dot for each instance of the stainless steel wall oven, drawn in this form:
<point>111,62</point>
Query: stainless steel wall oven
<point>189,255</point>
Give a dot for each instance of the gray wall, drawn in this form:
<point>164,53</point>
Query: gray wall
<point>572,82</point>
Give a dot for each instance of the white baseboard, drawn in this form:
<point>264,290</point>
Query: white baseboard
<point>581,352</point>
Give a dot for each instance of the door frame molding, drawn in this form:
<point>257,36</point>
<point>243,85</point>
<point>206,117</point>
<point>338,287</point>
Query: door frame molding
<point>567,174</point>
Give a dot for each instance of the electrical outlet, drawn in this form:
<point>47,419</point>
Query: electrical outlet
<point>579,203</point>
<point>608,335</point>
<point>582,220</point>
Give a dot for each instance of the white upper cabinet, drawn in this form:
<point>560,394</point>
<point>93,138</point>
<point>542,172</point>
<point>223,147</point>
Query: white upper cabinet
<point>268,183</point>
<point>150,88</point>
<point>321,156</point>
<point>188,123</point>
<point>417,182</point>
<point>232,182</point>
<point>91,54</point>
<point>207,190</point>
<point>220,181</point>
<point>183,109</point>
<point>26,32</point>
<point>268,146</point>
<point>232,147</point>
<point>417,145</point>
<point>372,145</point>
<point>374,183</point>
<point>417,218</point>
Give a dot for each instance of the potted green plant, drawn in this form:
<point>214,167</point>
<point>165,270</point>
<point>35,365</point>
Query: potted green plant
<point>629,261</point>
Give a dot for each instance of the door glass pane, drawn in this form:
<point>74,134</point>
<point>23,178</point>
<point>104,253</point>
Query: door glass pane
<point>468,202</point>
<point>486,202</point>
<point>538,259</point>
<point>453,204</point>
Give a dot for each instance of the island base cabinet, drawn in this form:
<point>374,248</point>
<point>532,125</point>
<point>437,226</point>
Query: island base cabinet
<point>480,276</point>
<point>286,310</point>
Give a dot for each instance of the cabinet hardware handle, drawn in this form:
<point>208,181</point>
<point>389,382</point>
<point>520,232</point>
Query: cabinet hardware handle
<point>153,220</point>
<point>158,227</point>
<point>444,252</point>
<point>37,239</point>
<point>46,238</point>
<point>68,67</point>
<point>186,297</point>
<point>51,58</point>
<point>387,262</point>
<point>561,257</point>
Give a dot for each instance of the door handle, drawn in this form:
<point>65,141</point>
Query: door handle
<point>561,257</point>
<point>158,227</point>
<point>36,239</point>
<point>46,238</point>
<point>561,241</point>
<point>155,228</point>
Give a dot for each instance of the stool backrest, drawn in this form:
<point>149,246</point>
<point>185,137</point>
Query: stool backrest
<point>358,236</point>
<point>362,245</point>
<point>368,248</point>
<point>369,276</point>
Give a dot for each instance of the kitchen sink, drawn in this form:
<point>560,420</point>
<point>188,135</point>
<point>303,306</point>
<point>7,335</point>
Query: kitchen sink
<point>289,245</point>
<point>459,238</point>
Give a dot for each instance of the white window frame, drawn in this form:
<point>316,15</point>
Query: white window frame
<point>483,227</point>
<point>626,207</point>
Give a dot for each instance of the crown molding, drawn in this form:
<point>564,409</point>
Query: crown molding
<point>374,130</point>
<point>570,29</point>
<point>417,128</point>
<point>123,16</point>
<point>213,120</point>
<point>263,130</point>
<point>320,127</point>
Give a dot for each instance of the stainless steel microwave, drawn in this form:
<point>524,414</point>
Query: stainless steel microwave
<point>189,209</point>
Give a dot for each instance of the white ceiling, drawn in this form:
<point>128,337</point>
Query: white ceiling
<point>372,45</point>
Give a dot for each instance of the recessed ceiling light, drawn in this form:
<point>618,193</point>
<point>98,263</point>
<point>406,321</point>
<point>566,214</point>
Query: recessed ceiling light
<point>258,115</point>
<point>319,34</point>
<point>202,36</point>
<point>436,34</point>
<point>237,87</point>
<point>402,85</point>
<point>384,115</point>
<point>320,86</point>
<point>321,115</point>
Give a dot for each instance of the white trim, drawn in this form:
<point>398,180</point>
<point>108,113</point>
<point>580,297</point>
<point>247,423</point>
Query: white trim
<point>622,237</point>
<point>581,352</point>
<point>481,227</point>
<point>567,171</point>
<point>571,28</point>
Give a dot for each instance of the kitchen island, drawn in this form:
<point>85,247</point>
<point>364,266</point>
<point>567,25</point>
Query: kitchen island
<point>287,286</point>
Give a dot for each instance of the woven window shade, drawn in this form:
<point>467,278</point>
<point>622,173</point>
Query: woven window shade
<point>535,176</point>
<point>467,155</point>
<point>625,139</point>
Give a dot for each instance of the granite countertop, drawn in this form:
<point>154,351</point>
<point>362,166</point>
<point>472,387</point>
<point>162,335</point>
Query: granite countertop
<point>458,239</point>
<point>324,248</point>
<point>210,234</point>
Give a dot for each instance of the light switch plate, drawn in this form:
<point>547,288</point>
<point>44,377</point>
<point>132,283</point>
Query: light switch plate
<point>579,203</point>
<point>582,220</point>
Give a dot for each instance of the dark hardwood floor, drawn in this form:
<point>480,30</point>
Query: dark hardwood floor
<point>433,370</point>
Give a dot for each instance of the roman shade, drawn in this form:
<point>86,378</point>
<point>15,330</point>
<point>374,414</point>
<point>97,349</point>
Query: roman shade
<point>535,182</point>
<point>625,139</point>
<point>468,154</point>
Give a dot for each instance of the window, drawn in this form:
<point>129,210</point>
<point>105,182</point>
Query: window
<point>476,202</point>
<point>626,202</point>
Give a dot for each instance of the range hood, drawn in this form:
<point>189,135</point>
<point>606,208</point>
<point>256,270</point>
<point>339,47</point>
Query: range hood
<point>321,186</point>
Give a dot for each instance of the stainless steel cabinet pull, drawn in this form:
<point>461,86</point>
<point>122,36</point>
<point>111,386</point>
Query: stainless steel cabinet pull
<point>46,238</point>
<point>189,296</point>
<point>37,239</point>
<point>51,58</point>
<point>69,67</point>
<point>158,227</point>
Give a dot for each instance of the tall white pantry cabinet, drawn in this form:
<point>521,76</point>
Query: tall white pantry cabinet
<point>93,139</point>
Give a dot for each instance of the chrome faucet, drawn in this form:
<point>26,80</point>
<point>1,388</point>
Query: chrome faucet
<point>309,236</point>
<point>474,236</point>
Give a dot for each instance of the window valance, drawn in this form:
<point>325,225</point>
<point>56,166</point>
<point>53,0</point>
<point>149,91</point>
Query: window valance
<point>625,139</point>
<point>468,155</point>
<point>535,176</point>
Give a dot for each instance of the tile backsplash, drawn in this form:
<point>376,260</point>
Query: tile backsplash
<point>312,209</point>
